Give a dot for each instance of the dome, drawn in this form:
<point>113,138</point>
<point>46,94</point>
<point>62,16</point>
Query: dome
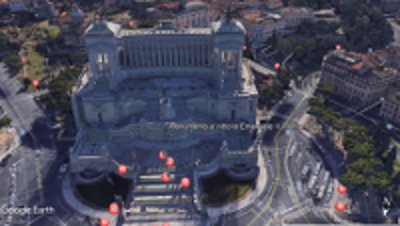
<point>196,5</point>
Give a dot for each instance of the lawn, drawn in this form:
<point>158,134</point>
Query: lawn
<point>33,69</point>
<point>36,64</point>
<point>52,30</point>
<point>220,189</point>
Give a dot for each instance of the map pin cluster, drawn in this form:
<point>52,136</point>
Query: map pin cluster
<point>341,205</point>
<point>169,163</point>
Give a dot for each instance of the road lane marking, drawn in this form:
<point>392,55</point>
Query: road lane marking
<point>278,170</point>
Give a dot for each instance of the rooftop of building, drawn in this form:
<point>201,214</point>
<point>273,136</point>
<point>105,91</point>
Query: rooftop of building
<point>92,86</point>
<point>251,16</point>
<point>393,95</point>
<point>103,27</point>
<point>377,63</point>
<point>196,5</point>
<point>292,9</point>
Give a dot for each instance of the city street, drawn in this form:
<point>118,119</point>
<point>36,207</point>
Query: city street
<point>30,176</point>
<point>281,202</point>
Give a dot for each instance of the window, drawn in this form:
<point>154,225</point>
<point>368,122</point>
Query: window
<point>121,56</point>
<point>233,115</point>
<point>230,59</point>
<point>102,61</point>
<point>100,118</point>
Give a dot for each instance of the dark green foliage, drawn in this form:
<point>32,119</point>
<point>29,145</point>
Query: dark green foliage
<point>5,121</point>
<point>58,98</point>
<point>13,62</point>
<point>366,165</point>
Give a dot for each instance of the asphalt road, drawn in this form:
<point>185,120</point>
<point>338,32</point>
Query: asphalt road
<point>34,162</point>
<point>279,197</point>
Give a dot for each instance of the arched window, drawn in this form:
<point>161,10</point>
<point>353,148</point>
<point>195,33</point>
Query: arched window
<point>102,61</point>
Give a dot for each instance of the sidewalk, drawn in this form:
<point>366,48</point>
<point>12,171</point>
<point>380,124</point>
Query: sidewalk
<point>215,212</point>
<point>77,205</point>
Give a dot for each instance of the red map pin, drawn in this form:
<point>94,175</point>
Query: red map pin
<point>170,162</point>
<point>338,47</point>
<point>277,66</point>
<point>35,83</point>
<point>165,177</point>
<point>185,182</point>
<point>341,189</point>
<point>131,24</point>
<point>24,60</point>
<point>122,169</point>
<point>340,206</point>
<point>113,208</point>
<point>165,224</point>
<point>162,155</point>
<point>104,221</point>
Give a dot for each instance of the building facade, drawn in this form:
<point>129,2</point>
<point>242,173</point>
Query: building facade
<point>152,89</point>
<point>390,109</point>
<point>72,26</point>
<point>361,79</point>
<point>262,26</point>
<point>196,15</point>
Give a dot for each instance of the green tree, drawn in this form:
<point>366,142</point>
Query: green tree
<point>13,62</point>
<point>270,95</point>
<point>5,121</point>
<point>284,77</point>
<point>326,89</point>
<point>353,179</point>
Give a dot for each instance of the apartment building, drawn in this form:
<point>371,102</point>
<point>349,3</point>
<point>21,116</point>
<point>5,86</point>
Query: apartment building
<point>361,79</point>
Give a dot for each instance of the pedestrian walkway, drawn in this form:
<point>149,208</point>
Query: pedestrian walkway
<point>215,212</point>
<point>260,68</point>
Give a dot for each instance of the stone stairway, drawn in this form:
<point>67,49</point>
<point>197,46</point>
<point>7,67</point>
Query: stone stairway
<point>152,199</point>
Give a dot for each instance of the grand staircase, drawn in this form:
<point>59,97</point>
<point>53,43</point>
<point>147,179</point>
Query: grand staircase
<point>153,200</point>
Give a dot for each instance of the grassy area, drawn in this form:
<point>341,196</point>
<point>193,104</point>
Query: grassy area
<point>220,190</point>
<point>52,30</point>
<point>35,67</point>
